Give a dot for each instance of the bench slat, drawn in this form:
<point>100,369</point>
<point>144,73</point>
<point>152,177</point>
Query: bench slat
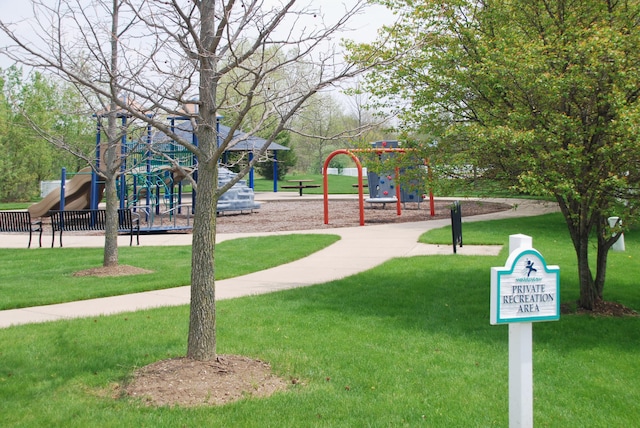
<point>85,220</point>
<point>20,221</point>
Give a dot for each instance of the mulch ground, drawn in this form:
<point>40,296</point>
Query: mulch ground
<point>275,216</point>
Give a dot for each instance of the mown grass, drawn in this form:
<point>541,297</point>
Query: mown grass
<point>344,185</point>
<point>14,205</point>
<point>549,228</point>
<point>551,238</point>
<point>338,184</point>
<point>45,275</point>
<point>405,344</point>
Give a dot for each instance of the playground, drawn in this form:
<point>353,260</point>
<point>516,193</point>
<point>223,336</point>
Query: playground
<point>155,187</point>
<point>155,181</point>
<point>152,187</point>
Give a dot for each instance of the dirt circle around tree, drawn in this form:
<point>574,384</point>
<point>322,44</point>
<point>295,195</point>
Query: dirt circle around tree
<point>189,383</point>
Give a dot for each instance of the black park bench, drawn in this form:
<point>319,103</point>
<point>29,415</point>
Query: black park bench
<point>20,221</point>
<point>86,220</point>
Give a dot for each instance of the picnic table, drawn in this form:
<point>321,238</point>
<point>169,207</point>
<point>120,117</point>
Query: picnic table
<point>302,184</point>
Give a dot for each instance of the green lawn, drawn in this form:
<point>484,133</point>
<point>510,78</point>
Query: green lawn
<point>43,282</point>
<point>338,184</point>
<point>549,229</point>
<point>14,205</point>
<point>344,185</point>
<point>405,344</point>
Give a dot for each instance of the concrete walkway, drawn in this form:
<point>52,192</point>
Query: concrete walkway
<point>359,249</point>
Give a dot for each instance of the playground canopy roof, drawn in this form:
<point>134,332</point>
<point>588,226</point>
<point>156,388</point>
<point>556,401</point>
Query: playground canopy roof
<point>248,143</point>
<point>242,142</point>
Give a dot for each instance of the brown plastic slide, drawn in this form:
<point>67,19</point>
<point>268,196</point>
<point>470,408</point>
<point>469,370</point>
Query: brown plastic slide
<point>77,195</point>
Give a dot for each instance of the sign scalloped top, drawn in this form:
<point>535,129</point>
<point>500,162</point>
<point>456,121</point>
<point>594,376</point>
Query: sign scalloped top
<point>525,289</point>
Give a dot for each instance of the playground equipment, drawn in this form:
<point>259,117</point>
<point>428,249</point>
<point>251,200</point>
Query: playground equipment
<point>239,197</point>
<point>381,189</point>
<point>153,171</point>
<point>74,195</point>
<point>153,182</point>
<point>155,188</point>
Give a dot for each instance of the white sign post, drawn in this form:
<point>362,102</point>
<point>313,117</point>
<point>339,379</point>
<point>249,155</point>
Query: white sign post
<point>619,244</point>
<point>525,290</point>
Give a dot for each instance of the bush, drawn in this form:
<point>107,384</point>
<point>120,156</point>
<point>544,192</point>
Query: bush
<point>286,159</point>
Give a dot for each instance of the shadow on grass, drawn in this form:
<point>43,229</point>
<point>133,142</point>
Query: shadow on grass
<point>439,295</point>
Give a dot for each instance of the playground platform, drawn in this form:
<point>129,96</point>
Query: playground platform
<point>359,249</point>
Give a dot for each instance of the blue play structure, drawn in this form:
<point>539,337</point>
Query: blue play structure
<point>155,181</point>
<point>383,188</point>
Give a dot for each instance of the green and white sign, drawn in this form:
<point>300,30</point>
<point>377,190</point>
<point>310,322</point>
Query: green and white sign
<point>525,289</point>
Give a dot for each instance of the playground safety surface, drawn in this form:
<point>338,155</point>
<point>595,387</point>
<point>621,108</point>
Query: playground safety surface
<point>288,215</point>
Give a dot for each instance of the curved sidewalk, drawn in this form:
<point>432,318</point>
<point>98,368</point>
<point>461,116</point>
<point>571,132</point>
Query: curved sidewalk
<point>359,249</point>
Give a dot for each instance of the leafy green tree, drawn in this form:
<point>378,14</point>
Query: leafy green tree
<point>320,129</point>
<point>545,93</point>
<point>29,107</point>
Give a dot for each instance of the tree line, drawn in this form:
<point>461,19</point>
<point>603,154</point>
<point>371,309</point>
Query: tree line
<point>33,105</point>
<point>25,157</point>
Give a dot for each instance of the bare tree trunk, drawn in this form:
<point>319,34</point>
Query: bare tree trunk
<point>606,239</point>
<point>112,156</point>
<point>110,167</point>
<point>111,227</point>
<point>588,293</point>
<point>202,321</point>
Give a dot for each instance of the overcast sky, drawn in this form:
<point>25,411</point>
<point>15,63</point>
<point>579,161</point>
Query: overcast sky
<point>363,27</point>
